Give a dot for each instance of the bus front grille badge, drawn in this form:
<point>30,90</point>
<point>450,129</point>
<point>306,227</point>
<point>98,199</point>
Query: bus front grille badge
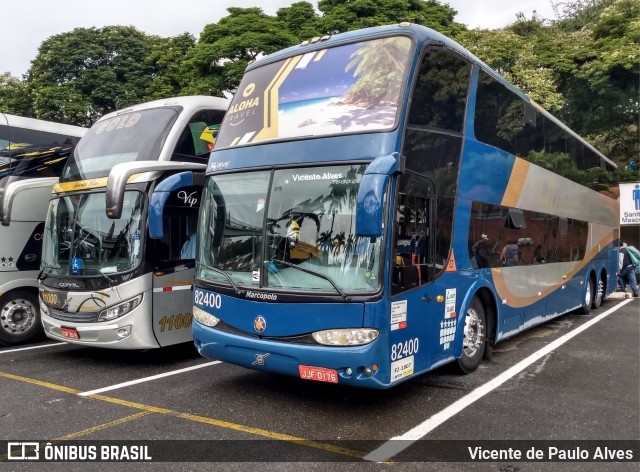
<point>259,324</point>
<point>260,359</point>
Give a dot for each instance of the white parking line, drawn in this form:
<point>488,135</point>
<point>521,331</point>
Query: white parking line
<point>146,379</point>
<point>32,347</point>
<point>399,443</point>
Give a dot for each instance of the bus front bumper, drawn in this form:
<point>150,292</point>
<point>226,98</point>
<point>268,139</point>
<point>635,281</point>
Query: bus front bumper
<point>132,331</point>
<point>352,365</point>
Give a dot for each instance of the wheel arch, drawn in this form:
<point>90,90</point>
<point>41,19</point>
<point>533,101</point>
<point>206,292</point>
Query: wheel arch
<point>488,298</point>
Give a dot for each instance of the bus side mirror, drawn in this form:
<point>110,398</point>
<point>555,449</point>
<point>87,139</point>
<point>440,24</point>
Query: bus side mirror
<point>369,205</point>
<point>164,190</point>
<point>370,199</point>
<point>26,199</point>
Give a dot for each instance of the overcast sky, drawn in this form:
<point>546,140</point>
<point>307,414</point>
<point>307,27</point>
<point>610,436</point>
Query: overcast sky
<point>27,23</point>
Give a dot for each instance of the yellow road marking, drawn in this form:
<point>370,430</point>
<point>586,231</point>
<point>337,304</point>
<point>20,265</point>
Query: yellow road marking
<point>100,427</point>
<point>146,409</point>
<point>51,386</point>
<point>88,430</point>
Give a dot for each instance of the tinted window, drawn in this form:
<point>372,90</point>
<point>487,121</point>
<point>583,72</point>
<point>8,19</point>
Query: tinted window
<point>506,121</point>
<point>440,96</point>
<point>543,238</point>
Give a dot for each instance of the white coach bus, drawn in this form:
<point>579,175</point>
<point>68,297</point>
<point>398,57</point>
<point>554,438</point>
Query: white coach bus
<point>32,155</point>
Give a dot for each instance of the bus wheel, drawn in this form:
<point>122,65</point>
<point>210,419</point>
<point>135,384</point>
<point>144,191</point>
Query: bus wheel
<point>598,298</point>
<point>19,318</point>
<point>589,293</point>
<point>474,337</point>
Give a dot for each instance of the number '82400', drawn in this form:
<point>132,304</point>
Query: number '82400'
<point>209,299</point>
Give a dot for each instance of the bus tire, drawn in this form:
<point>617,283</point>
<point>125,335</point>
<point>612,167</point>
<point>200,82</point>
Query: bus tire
<point>588,296</point>
<point>474,337</point>
<point>19,318</point>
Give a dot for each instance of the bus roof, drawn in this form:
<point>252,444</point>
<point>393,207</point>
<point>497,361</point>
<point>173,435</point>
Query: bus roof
<point>422,34</point>
<point>187,102</point>
<point>41,125</point>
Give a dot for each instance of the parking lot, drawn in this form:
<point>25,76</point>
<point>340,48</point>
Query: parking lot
<point>572,379</point>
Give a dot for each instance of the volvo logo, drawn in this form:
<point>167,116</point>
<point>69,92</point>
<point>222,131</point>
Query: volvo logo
<point>259,324</point>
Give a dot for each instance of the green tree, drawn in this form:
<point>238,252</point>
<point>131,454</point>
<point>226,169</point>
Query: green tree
<point>14,96</point>
<point>301,20</point>
<point>81,75</point>
<point>169,77</point>
<point>218,61</point>
<point>347,15</point>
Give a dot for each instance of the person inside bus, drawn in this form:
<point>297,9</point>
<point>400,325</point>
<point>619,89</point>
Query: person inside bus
<point>188,250</point>
<point>510,255</point>
<point>286,244</point>
<point>421,248</point>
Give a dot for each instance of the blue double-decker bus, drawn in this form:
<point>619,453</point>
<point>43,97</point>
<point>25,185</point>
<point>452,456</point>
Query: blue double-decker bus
<point>380,203</point>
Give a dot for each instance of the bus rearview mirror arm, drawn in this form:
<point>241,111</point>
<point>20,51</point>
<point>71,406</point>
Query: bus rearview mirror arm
<point>12,189</point>
<point>370,198</point>
<point>120,174</point>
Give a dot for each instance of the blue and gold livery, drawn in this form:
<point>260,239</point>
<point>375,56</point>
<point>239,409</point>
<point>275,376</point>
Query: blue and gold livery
<point>441,210</point>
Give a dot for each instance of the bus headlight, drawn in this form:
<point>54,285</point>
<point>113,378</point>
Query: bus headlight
<point>122,309</point>
<point>204,317</point>
<point>346,337</point>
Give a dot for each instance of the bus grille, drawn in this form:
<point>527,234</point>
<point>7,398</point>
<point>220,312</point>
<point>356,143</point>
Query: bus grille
<point>301,339</point>
<point>74,317</point>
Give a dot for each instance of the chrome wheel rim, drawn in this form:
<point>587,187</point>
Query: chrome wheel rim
<point>17,316</point>
<point>587,295</point>
<point>473,333</point>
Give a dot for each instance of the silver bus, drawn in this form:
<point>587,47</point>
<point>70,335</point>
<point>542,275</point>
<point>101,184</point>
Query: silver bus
<point>119,240</point>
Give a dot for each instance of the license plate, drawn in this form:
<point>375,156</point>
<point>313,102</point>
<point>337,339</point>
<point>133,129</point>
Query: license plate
<point>319,374</point>
<point>69,333</point>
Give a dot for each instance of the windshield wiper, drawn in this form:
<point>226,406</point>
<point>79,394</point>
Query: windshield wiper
<point>112,283</point>
<point>346,297</point>
<point>40,277</point>
<point>227,276</point>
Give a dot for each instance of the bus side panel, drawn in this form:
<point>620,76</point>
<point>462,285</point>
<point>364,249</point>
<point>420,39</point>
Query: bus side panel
<point>21,246</point>
<point>172,306</point>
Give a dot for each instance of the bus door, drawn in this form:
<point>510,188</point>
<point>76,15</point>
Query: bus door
<point>174,262</point>
<point>413,272</point>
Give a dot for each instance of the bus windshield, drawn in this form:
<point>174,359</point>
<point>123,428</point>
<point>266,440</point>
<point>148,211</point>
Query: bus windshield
<point>306,240</point>
<point>135,136</point>
<point>346,89</point>
<point>80,240</point>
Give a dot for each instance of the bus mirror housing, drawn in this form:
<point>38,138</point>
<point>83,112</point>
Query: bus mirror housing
<point>13,200</point>
<point>161,194</point>
<point>120,174</point>
<point>370,199</point>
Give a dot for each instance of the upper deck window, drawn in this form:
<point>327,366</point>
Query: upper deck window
<point>342,90</point>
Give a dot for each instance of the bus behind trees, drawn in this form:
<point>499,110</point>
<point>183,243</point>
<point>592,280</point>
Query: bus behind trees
<point>119,240</point>
<point>32,155</point>
<point>380,203</point>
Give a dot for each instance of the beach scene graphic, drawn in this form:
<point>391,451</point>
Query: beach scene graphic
<point>346,89</point>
